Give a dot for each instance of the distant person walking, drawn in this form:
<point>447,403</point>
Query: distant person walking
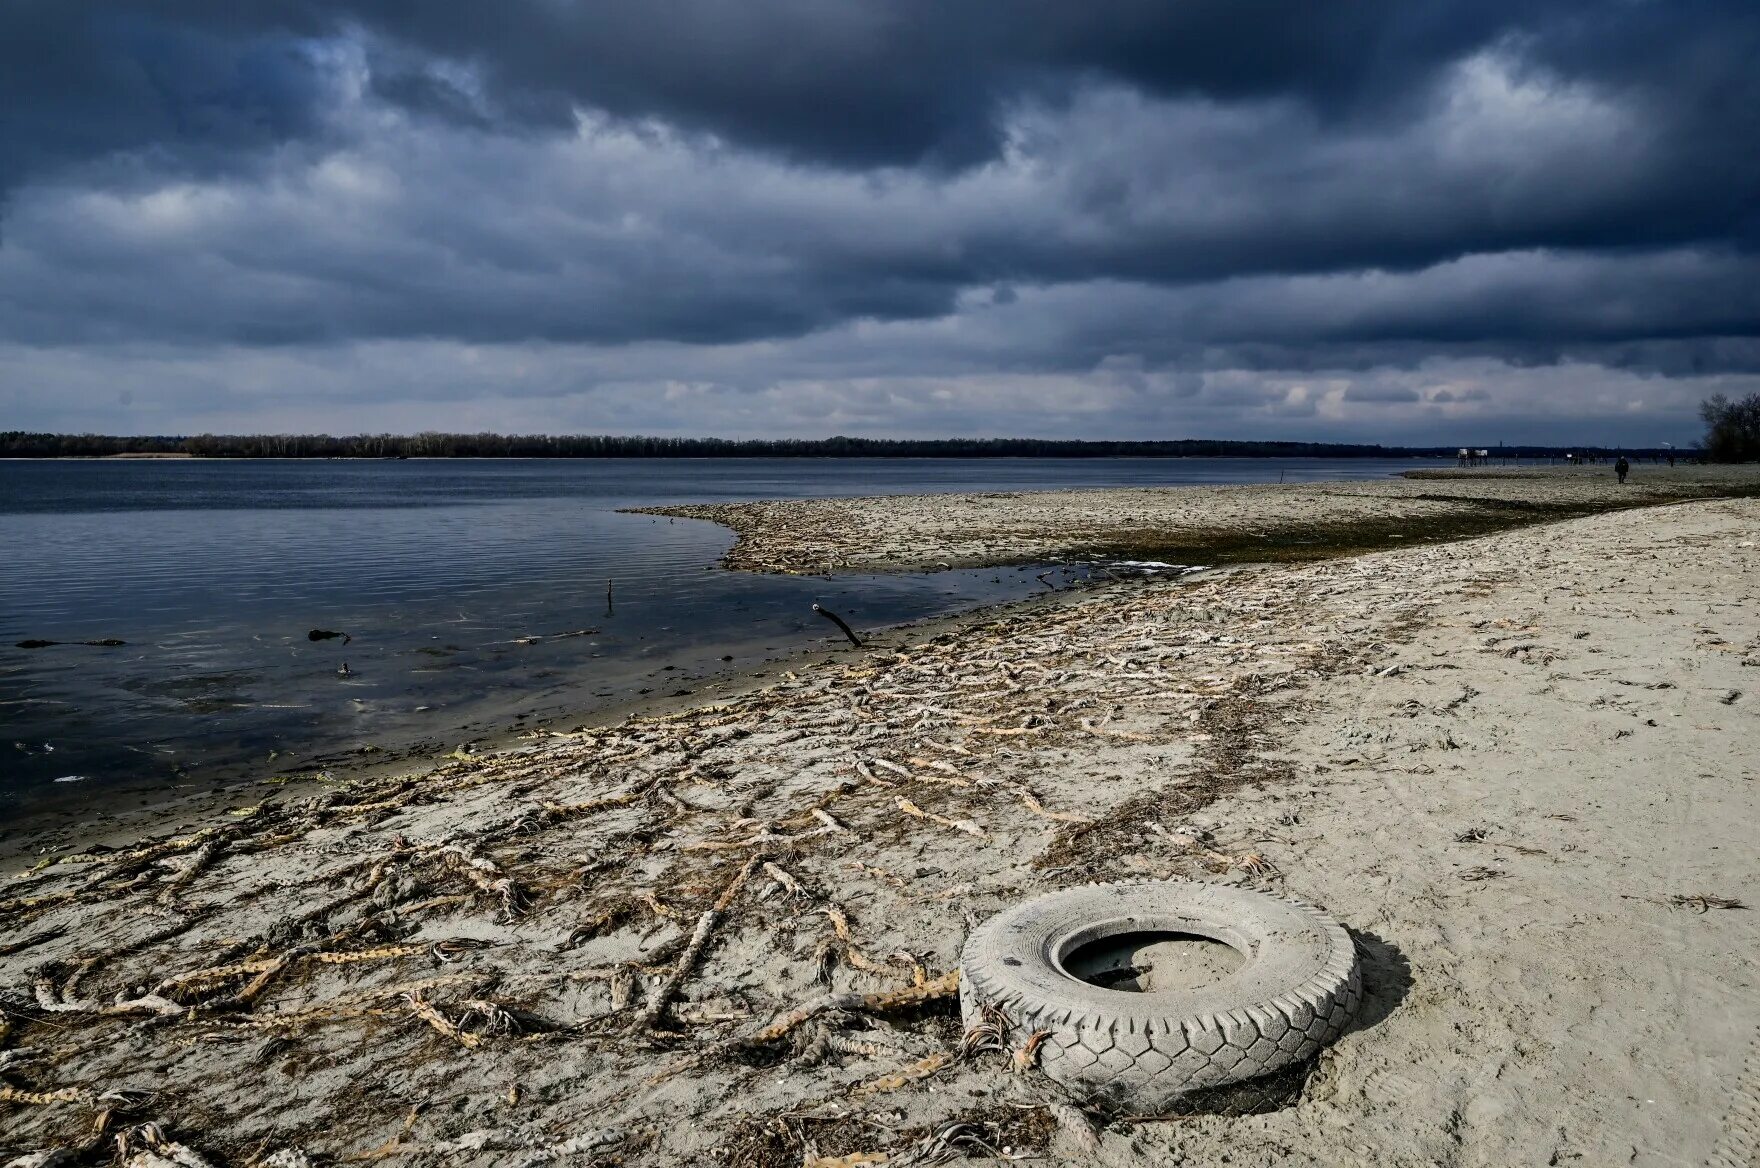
<point>1622,468</point>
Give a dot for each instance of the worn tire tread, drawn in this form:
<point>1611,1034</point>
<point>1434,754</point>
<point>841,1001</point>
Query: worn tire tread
<point>1179,1054</point>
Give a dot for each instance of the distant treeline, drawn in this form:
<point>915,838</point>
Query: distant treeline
<point>18,444</point>
<point>432,445</point>
<point>1732,428</point>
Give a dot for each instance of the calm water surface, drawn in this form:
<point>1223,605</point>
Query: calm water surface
<point>441,572</point>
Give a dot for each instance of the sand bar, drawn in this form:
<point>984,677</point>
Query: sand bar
<point>925,532</point>
<point>1522,767</point>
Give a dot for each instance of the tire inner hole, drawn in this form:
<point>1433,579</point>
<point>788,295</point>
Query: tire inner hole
<point>1153,962</point>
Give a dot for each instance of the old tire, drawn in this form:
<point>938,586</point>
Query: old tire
<point>1296,992</point>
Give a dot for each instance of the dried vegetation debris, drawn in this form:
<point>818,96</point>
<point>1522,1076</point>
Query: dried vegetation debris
<point>642,938</point>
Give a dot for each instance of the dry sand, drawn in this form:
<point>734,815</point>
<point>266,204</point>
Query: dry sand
<point>1501,761</point>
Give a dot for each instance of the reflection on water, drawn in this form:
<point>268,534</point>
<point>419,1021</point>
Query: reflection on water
<point>454,583</point>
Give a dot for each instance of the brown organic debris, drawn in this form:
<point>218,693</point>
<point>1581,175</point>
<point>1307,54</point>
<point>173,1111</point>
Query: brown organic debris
<point>1703,902</point>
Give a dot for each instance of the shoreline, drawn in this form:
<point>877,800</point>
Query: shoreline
<point>47,823</point>
<point>1474,753</point>
<point>1229,543</point>
<point>50,827</point>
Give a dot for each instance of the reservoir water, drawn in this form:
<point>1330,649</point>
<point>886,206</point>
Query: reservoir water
<point>470,593</point>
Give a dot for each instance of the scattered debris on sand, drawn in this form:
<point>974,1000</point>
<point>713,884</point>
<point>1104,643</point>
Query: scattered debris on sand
<point>730,934</point>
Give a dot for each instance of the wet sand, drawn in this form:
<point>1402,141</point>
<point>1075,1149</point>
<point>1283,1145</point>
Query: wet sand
<point>1521,767</point>
<point>48,829</point>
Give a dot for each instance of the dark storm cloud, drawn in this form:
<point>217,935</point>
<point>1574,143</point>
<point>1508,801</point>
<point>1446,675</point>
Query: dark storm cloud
<point>1380,393</point>
<point>848,81</point>
<point>1176,202</point>
<point>82,81</point>
<point>859,83</point>
<point>617,237</point>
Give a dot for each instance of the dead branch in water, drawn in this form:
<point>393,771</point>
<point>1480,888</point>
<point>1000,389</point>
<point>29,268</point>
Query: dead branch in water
<point>839,622</point>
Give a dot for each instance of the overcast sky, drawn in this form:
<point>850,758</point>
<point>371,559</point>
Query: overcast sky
<point>1433,221</point>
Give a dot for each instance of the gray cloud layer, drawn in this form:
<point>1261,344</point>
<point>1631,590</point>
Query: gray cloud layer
<point>1208,217</point>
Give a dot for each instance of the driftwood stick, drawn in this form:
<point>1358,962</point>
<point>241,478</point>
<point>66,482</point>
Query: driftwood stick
<point>8,948</point>
<point>693,950</point>
<point>488,877</point>
<point>276,967</point>
<point>784,880</point>
<point>839,622</point>
<point>944,986</point>
<point>429,1013</point>
<point>856,958</point>
<point>198,863</point>
<point>783,1025</point>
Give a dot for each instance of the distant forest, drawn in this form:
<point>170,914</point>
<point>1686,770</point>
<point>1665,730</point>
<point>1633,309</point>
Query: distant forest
<point>19,444</point>
<point>432,445</point>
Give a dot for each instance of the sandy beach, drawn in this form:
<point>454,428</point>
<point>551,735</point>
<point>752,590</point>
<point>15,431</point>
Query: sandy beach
<point>1520,767</point>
